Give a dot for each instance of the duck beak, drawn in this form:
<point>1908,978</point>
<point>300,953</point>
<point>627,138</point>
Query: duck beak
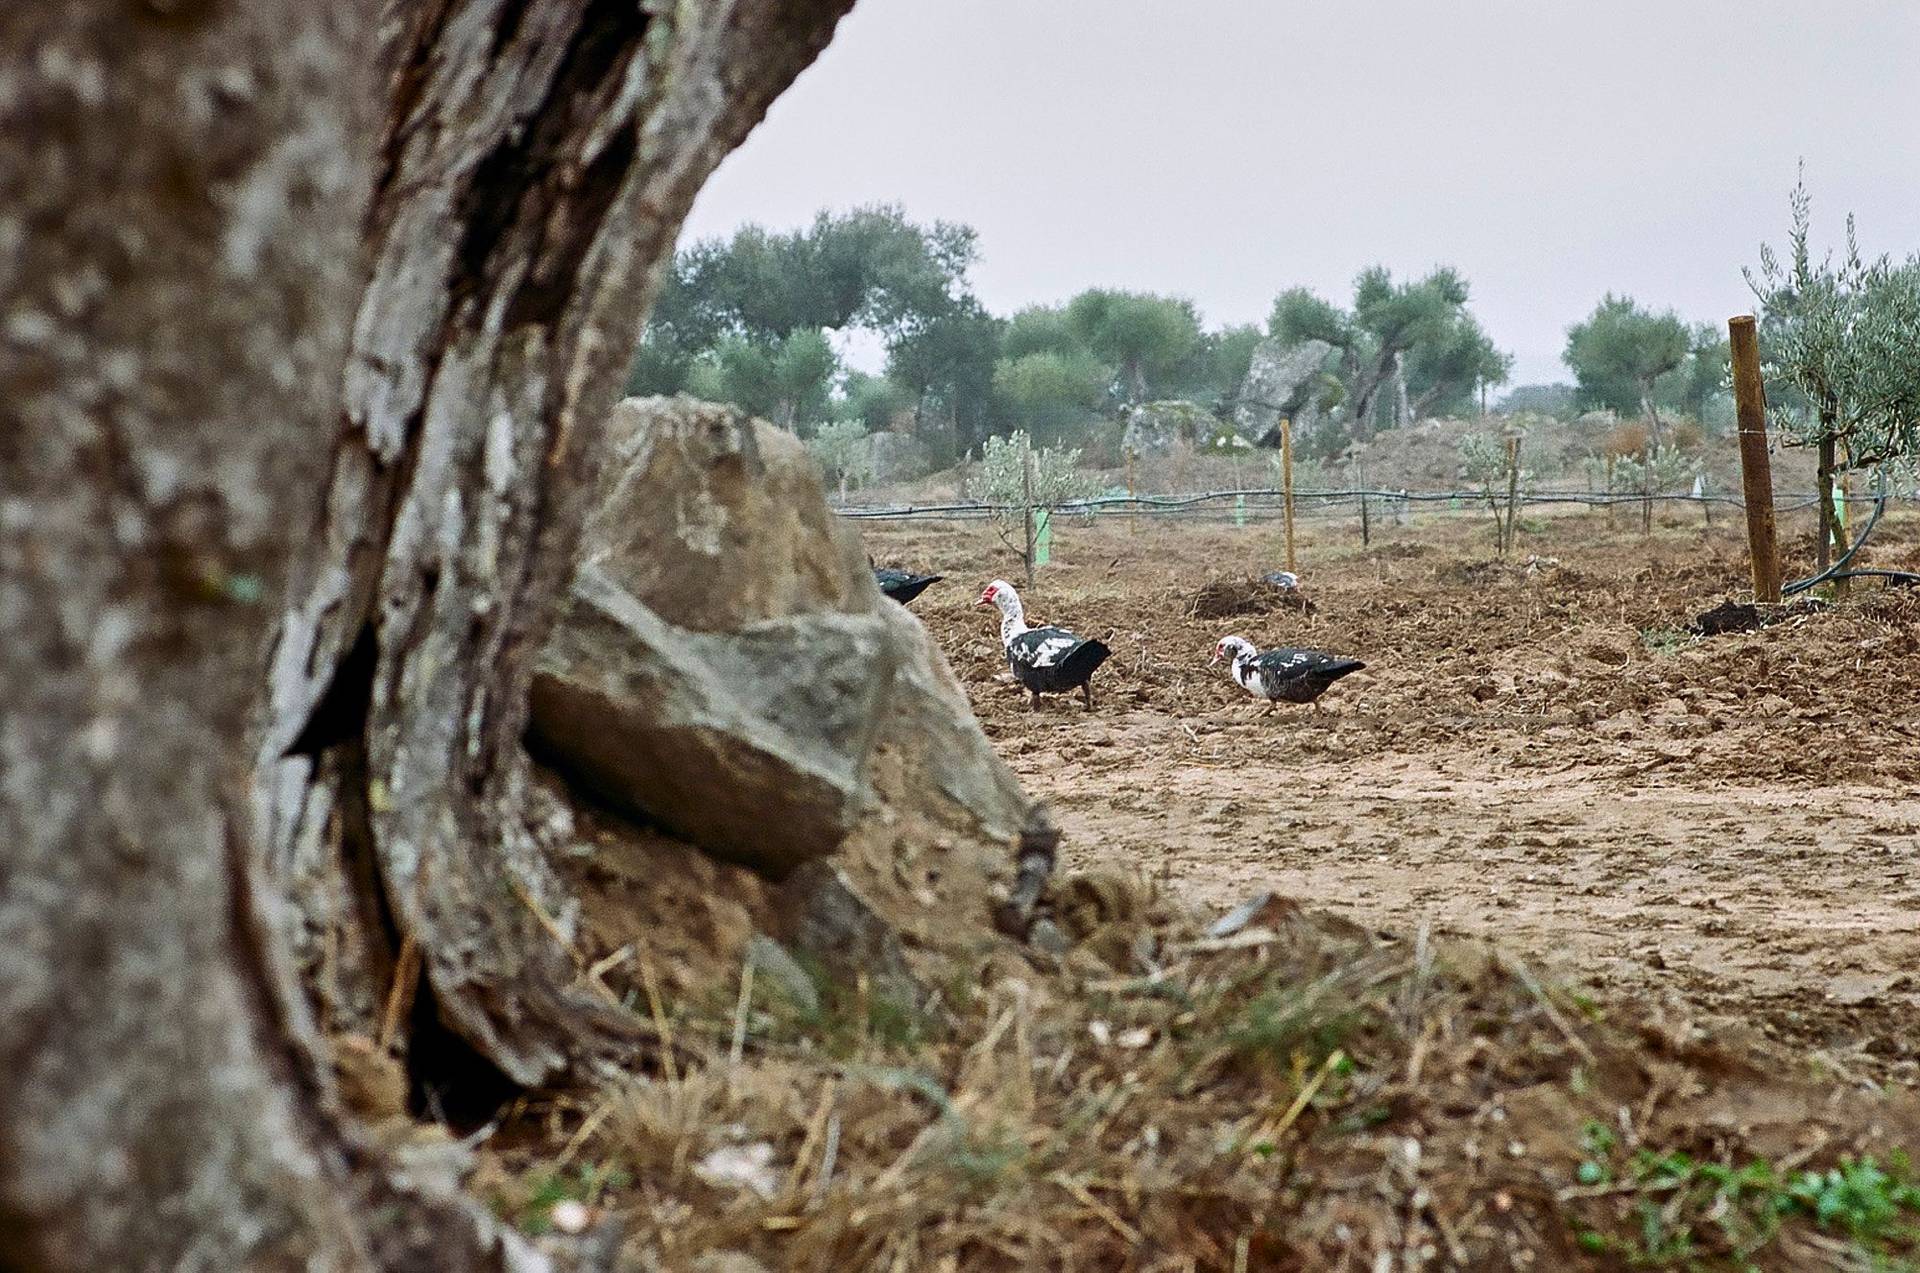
<point>1216,657</point>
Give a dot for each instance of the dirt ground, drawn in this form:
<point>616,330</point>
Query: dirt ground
<point>1535,753</point>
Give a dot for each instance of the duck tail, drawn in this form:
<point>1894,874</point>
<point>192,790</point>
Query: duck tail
<point>1084,658</point>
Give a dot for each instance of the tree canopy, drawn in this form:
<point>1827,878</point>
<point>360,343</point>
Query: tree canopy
<point>1620,350</point>
<point>1416,334</point>
<point>1841,338</point>
<point>742,319</point>
<point>1146,338</point>
<point>747,319</point>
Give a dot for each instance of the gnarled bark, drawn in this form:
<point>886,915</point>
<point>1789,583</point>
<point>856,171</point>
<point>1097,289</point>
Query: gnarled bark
<point>190,205</point>
<point>537,161</point>
<point>179,200</point>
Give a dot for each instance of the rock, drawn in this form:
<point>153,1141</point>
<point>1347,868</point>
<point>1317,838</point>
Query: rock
<point>729,671</point>
<point>771,960</point>
<point>740,1167</point>
<point>1045,935</point>
<point>1266,909</point>
<point>716,520</point>
<point>1282,380</point>
<point>708,734</point>
<point>826,917</point>
<point>898,457</point>
<point>1156,428</point>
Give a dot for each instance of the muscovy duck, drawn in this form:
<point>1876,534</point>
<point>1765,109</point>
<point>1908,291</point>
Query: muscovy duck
<point>902,585</point>
<point>1045,660</point>
<point>1283,675</point>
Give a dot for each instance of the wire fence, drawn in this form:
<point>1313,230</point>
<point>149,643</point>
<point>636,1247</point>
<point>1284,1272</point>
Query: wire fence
<point>1268,503</point>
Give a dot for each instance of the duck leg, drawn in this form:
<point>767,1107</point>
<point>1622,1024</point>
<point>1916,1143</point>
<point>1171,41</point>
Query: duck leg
<point>1036,700</point>
<point>1086,693</point>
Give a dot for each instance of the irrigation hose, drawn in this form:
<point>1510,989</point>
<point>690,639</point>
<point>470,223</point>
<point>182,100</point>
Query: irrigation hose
<point>1838,570</point>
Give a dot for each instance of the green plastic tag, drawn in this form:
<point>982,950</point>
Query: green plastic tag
<point>1042,536</point>
<point>1239,510</point>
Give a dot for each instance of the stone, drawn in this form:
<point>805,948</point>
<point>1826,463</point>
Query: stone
<point>1157,428</point>
<point>714,520</point>
<point>1282,380</point>
<point>728,670</point>
<point>826,917</point>
<point>710,734</point>
<point>771,961</point>
<point>1265,909</point>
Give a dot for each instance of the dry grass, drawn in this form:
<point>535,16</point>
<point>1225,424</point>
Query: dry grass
<point>1301,1094</point>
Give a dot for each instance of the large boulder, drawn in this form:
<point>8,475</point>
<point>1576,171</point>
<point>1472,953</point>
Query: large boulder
<point>729,672</point>
<point>1157,428</point>
<point>1282,380</point>
<point>699,731</point>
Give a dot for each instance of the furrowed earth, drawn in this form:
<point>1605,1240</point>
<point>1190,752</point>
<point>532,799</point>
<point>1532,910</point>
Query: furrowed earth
<point>1588,942</point>
<point>1537,752</point>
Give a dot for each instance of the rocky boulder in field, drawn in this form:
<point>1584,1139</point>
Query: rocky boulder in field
<point>1282,380</point>
<point>1156,428</point>
<point>729,672</point>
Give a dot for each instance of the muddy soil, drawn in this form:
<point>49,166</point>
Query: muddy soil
<point>1536,752</point>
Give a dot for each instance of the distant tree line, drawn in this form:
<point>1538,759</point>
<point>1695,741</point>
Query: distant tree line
<point>758,318</point>
<point>753,319</point>
<point>750,319</point>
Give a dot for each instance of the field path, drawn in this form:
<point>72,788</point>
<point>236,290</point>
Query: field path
<point>1712,889</point>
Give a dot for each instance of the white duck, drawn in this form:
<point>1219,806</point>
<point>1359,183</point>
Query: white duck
<point>1047,660</point>
<point>1282,675</point>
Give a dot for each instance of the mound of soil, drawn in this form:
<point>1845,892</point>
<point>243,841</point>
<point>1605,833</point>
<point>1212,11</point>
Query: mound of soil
<point>1744,616</point>
<point>1226,598</point>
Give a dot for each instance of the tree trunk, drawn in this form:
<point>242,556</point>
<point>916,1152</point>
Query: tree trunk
<point>518,222</point>
<point>1403,409</point>
<point>1655,436</point>
<point>191,197</point>
<point>173,342</point>
<point>1367,383</point>
<point>1823,490</point>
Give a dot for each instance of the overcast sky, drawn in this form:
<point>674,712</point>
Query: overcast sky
<point>1225,149</point>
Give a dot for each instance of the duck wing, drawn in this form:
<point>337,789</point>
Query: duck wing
<point>1300,676</point>
<point>1054,659</point>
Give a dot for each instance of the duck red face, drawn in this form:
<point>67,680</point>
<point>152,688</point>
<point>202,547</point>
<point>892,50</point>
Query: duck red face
<point>1219,652</point>
<point>988,598</point>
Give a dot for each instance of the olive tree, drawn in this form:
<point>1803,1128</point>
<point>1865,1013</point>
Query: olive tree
<point>315,313</point>
<point>1840,337</point>
<point>1020,480</point>
<point>1621,350</point>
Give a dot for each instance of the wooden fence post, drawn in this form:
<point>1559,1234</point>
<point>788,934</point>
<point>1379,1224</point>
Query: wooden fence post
<point>1133,510</point>
<point>1756,469</point>
<point>1513,489</point>
<point>1286,481</point>
<point>1358,477</point>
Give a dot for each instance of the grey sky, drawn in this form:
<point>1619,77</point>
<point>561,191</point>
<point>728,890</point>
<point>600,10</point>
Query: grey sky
<point>1550,149</point>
